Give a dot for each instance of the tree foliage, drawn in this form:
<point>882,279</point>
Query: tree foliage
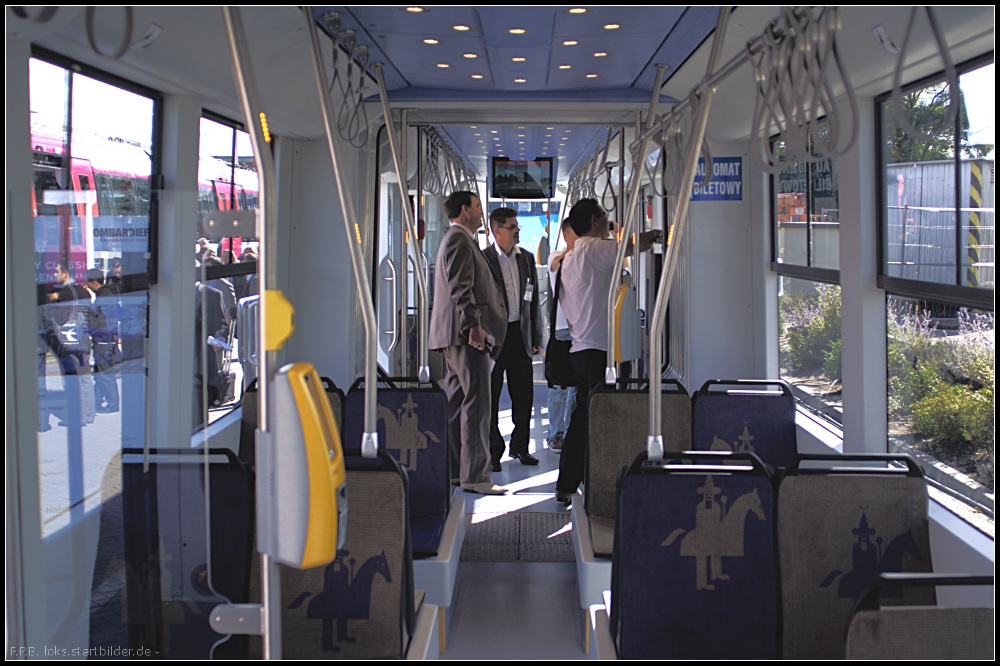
<point>925,109</point>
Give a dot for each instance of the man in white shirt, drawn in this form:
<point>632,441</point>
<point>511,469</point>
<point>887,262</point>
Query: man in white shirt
<point>587,274</point>
<point>516,268</point>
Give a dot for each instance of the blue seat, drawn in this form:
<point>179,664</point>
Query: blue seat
<point>746,415</point>
<point>169,595</point>
<point>413,428</point>
<point>693,572</point>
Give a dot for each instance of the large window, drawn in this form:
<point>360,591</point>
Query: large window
<point>94,165</point>
<point>225,254</point>
<point>937,265</point>
<point>806,255</point>
<point>937,184</point>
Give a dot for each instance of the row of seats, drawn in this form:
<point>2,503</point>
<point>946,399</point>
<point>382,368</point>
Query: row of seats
<point>710,562</point>
<point>363,605</point>
<point>755,416</point>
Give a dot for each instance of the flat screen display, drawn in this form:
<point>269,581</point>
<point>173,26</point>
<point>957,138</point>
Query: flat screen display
<point>522,179</point>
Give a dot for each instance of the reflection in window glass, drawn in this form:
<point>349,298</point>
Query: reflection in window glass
<point>923,238</point>
<point>91,170</point>
<point>807,213</point>
<point>227,199</point>
<point>941,382</point>
<point>809,343</point>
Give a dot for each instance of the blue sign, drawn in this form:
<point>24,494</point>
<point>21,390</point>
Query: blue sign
<point>726,183</point>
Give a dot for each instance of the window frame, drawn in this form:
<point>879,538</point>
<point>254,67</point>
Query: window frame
<point>948,294</point>
<point>808,272</point>
<point>239,267</point>
<point>156,180</point>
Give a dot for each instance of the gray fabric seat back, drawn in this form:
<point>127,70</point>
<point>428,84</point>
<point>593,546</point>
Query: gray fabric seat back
<point>360,606</point>
<point>838,529</point>
<point>619,421</point>
<point>920,632</point>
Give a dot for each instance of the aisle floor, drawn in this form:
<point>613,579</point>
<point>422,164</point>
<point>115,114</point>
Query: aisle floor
<point>518,610</point>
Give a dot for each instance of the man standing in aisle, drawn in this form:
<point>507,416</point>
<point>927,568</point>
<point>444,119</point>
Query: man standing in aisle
<point>468,325</point>
<point>523,340</point>
<point>587,273</point>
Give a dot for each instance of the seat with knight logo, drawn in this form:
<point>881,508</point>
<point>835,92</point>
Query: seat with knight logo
<point>746,415</point>
<point>694,562</point>
<point>839,528</point>
<point>413,429</point>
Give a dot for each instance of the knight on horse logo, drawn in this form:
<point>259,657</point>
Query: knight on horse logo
<point>743,446</point>
<point>346,596</point>
<point>403,432</point>
<point>868,560</point>
<point>716,532</point>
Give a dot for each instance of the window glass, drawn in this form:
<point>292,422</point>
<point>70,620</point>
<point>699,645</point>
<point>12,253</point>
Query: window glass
<point>227,201</point>
<point>941,383</point>
<point>978,214</point>
<point>937,230</point>
<point>807,212</point>
<point>809,343</point>
<point>92,148</point>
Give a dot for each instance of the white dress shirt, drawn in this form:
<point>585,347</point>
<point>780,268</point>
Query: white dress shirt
<point>586,278</point>
<point>511,282</point>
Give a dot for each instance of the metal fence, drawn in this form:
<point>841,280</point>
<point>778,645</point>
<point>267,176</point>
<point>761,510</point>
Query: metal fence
<point>921,227</point>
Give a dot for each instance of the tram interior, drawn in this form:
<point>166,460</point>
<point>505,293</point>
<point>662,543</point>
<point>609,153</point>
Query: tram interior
<point>217,201</point>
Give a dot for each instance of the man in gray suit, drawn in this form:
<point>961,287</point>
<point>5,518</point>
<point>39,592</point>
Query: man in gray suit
<point>468,324</point>
<point>516,266</point>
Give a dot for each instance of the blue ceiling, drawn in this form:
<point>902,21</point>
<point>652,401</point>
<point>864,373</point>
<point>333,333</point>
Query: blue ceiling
<point>644,37</point>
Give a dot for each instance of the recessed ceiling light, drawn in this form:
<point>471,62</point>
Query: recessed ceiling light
<point>493,131</point>
<point>570,42</point>
<point>600,54</point>
<point>591,76</point>
<point>521,135</point>
<point>477,76</point>
<point>578,10</point>
<point>460,28</point>
<point>548,135</point>
<point>469,55</point>
<point>476,133</point>
<point>518,59</point>
<point>612,26</point>
<point>430,41</point>
<point>564,66</point>
<point>417,10</point>
<point>568,131</point>
<point>520,127</point>
<point>443,65</point>
<point>520,80</point>
<point>548,128</point>
<point>480,141</point>
<point>473,127</point>
<point>517,31</point>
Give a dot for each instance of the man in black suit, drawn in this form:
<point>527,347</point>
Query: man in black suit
<point>515,267</point>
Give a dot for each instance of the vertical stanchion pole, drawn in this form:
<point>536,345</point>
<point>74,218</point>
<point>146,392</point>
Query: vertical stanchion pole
<point>610,372</point>
<point>654,442</point>
<point>246,87</point>
<point>369,440</point>
<point>424,370</point>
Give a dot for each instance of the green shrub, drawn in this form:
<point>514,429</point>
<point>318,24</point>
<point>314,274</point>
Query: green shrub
<point>811,325</point>
<point>956,416</point>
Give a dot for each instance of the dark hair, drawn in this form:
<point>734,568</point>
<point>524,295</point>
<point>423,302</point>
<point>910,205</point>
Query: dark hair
<point>65,266</point>
<point>212,261</point>
<point>564,224</point>
<point>115,262</point>
<point>95,275</point>
<point>453,204</point>
<point>500,216</point>
<point>581,214</point>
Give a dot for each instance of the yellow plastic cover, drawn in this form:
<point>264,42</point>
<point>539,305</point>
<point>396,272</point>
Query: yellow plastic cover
<point>619,303</point>
<point>325,458</point>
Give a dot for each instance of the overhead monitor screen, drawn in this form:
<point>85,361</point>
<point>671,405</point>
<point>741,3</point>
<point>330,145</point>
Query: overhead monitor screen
<point>520,179</point>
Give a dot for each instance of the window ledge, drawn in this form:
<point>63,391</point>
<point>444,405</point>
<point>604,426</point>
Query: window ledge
<point>223,433</point>
<point>817,436</point>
